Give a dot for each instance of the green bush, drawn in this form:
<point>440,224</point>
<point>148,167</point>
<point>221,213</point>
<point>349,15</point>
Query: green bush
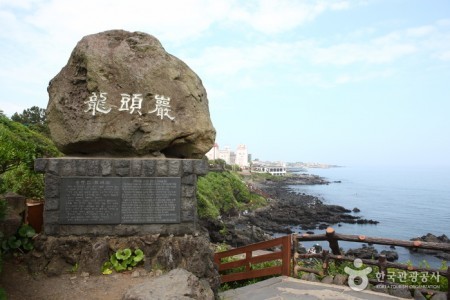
<point>24,181</point>
<point>34,118</point>
<point>19,147</point>
<point>3,208</point>
<point>224,192</point>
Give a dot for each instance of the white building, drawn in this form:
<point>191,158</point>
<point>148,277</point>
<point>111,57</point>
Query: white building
<point>242,156</point>
<point>213,154</point>
<point>225,155</point>
<point>274,168</point>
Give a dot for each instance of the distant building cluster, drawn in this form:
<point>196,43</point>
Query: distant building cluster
<point>243,159</point>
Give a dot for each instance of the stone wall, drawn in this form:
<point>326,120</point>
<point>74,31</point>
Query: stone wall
<point>57,168</point>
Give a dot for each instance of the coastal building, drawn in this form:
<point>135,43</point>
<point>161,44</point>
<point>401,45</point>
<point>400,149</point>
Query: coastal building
<point>232,158</point>
<point>225,154</point>
<point>213,154</point>
<point>242,156</point>
<point>274,168</point>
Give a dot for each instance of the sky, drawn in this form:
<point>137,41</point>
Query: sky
<point>347,82</point>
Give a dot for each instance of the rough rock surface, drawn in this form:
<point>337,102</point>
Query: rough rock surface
<point>55,256</point>
<point>177,284</point>
<point>144,123</point>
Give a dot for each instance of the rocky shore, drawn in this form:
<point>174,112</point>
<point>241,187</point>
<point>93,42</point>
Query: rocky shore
<point>286,209</point>
<point>289,208</point>
<point>431,238</point>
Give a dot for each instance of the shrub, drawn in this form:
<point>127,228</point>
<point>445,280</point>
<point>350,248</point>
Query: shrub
<point>224,193</point>
<point>19,147</point>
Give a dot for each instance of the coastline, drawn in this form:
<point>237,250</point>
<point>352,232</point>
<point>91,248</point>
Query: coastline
<point>291,209</point>
<point>286,209</point>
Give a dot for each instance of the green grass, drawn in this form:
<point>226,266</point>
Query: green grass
<point>225,192</point>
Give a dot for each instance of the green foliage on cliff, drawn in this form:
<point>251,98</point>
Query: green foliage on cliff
<point>19,147</point>
<point>34,118</point>
<point>224,193</point>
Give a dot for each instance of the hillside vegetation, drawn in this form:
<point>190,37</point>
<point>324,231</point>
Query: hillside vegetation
<point>225,193</point>
<point>19,147</point>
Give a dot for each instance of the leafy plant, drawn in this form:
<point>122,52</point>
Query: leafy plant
<point>123,259</point>
<point>74,268</point>
<point>22,241</point>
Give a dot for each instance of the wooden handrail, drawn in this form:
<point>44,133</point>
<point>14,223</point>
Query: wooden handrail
<point>332,237</point>
<point>284,255</point>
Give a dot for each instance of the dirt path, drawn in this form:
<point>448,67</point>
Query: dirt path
<point>20,285</point>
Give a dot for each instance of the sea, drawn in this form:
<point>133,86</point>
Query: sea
<point>407,201</point>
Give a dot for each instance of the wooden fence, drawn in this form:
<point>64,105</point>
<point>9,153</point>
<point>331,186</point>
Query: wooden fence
<point>284,256</point>
<point>333,239</point>
<point>289,250</point>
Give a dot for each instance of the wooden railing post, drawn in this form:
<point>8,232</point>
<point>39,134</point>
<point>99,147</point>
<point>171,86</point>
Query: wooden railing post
<point>382,265</point>
<point>294,254</point>
<point>248,259</point>
<point>286,260</point>
<point>334,245</point>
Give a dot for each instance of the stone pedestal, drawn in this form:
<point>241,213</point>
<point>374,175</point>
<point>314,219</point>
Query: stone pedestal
<point>58,220</point>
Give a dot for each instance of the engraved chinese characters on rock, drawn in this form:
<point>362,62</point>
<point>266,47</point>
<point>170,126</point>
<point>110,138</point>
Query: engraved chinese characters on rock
<point>130,103</point>
<point>136,103</point>
<point>162,107</point>
<point>97,104</point>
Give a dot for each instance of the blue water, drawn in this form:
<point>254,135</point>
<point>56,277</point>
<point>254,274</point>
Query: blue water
<point>408,202</point>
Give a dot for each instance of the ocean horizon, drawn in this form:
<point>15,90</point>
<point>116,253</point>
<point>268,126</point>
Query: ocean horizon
<point>407,201</point>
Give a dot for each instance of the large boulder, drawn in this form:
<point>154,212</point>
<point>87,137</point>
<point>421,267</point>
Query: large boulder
<point>122,94</point>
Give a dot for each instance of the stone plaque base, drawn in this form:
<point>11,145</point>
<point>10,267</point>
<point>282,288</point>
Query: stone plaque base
<point>94,196</point>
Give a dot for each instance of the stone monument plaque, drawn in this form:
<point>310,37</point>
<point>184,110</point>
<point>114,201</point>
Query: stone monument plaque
<point>116,200</point>
<point>150,200</point>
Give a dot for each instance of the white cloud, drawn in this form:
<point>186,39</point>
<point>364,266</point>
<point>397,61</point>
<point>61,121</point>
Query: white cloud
<point>38,36</point>
<point>270,17</point>
<point>420,31</point>
<point>444,55</point>
<point>169,20</point>
<point>22,4</point>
